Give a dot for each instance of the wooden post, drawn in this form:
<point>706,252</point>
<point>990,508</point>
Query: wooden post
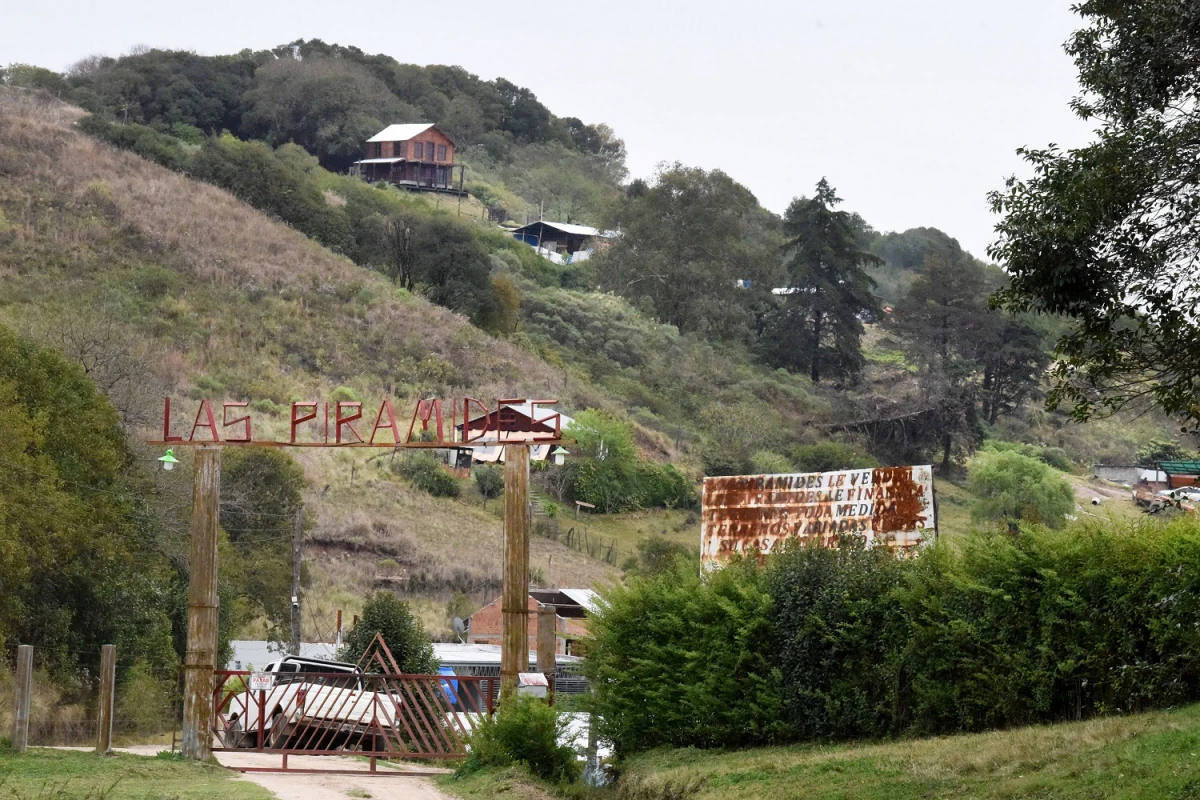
<point>296,557</point>
<point>108,685</point>
<point>24,689</point>
<point>514,606</point>
<point>202,606</point>
<point>547,644</point>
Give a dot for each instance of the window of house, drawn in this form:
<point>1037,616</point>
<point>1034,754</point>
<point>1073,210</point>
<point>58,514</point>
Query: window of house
<point>372,149</point>
<point>441,152</point>
<point>399,149</point>
<point>418,150</point>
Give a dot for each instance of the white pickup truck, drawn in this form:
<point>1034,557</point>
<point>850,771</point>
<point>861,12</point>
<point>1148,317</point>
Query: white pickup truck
<point>314,705</point>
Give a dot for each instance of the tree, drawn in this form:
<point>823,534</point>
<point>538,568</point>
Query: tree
<point>603,466</point>
<point>387,615</point>
<point>1010,486</point>
<point>817,325</point>
<point>490,481</point>
<point>1105,234</point>
<point>328,106</point>
<point>1157,450</point>
<point>685,244</point>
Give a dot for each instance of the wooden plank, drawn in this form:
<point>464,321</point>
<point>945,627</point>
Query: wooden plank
<point>24,690</point>
<point>202,606</point>
<point>104,711</point>
<point>514,609</point>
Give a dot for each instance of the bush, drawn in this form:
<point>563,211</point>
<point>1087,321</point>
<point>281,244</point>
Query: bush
<point>830,456</point>
<point>664,487</point>
<point>1010,486</point>
<point>526,731</point>
<point>386,614</point>
<point>490,480</point>
<point>681,661</point>
<point>426,473</point>
<point>765,462</point>
<point>143,703</point>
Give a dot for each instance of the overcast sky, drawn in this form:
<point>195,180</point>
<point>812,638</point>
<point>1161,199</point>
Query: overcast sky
<point>912,109</point>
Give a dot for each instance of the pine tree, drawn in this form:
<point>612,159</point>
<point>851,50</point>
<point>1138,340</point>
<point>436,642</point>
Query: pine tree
<point>817,325</point>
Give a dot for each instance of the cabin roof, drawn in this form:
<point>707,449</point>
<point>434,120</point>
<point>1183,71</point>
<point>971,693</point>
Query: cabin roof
<point>566,227</point>
<point>405,131</point>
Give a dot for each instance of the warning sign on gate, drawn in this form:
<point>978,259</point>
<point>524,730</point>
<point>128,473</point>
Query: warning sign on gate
<point>261,682</point>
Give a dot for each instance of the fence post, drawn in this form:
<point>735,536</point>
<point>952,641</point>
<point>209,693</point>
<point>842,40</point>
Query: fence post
<point>546,647</point>
<point>104,714</point>
<point>24,689</point>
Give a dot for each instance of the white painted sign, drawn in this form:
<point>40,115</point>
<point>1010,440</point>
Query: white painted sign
<point>261,682</point>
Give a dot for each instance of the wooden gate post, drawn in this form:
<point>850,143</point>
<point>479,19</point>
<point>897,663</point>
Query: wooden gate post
<point>547,645</point>
<point>202,606</point>
<point>514,604</point>
<point>104,712</point>
<point>24,689</point>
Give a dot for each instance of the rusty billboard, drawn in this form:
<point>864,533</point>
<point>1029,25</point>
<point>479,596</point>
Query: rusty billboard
<point>892,506</point>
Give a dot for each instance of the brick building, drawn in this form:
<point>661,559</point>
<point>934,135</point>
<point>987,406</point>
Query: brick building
<point>571,607</point>
<point>417,156</point>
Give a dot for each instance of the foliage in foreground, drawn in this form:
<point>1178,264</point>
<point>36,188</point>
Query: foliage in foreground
<point>1006,630</point>
<point>528,732</point>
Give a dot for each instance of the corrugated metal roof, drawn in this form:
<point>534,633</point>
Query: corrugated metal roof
<point>401,133</point>
<point>570,228</point>
<point>1180,467</point>
<point>379,161</point>
<point>586,598</point>
<point>482,654</point>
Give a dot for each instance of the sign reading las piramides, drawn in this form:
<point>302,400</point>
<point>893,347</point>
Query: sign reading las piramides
<point>748,513</point>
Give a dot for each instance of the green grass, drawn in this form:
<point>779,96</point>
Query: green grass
<point>62,774</point>
<point>1154,755</point>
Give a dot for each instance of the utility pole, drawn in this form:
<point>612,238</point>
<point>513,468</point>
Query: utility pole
<point>299,531</point>
<point>514,604</point>
<point>547,646</point>
<point>202,606</point>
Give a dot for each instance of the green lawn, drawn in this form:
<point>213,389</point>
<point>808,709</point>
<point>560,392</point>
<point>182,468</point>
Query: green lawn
<point>74,775</point>
<point>1153,755</point>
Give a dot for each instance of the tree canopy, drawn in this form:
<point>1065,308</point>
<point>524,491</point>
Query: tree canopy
<point>817,325</point>
<point>1106,234</point>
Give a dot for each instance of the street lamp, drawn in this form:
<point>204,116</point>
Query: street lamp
<point>558,455</point>
<point>169,460</point>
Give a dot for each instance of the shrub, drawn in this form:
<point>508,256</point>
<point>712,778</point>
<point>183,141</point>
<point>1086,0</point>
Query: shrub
<point>765,462</point>
<point>426,473</point>
<point>1157,450</point>
<point>1012,486</point>
<point>490,480</point>
<point>830,456</point>
<point>384,613</point>
<point>143,702</point>
<point>344,394</point>
<point>664,487</point>
<point>525,731</point>
<point>686,662</point>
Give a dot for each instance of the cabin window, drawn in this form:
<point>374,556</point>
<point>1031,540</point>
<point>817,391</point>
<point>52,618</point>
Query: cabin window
<point>398,149</point>
<point>441,152</point>
<point>372,150</point>
<point>418,150</point>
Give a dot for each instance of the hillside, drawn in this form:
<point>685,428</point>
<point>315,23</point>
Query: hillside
<point>198,293</point>
<point>162,284</point>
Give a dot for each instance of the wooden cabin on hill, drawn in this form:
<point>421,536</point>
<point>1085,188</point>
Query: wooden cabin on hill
<point>415,156</point>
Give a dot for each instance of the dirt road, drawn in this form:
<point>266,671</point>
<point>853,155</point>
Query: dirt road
<point>302,786</point>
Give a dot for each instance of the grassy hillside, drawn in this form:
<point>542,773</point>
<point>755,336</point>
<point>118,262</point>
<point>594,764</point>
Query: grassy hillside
<point>1145,756</point>
<point>181,289</point>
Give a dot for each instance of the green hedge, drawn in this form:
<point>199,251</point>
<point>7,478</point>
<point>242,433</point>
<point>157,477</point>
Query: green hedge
<point>1002,630</point>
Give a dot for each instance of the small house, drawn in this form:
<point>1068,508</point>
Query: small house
<point>562,241</point>
<point>510,422</point>
<point>416,156</point>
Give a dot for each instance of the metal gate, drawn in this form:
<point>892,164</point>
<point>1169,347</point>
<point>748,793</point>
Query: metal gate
<point>372,714</point>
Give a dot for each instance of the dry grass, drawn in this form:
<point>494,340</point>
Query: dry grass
<point>245,296</point>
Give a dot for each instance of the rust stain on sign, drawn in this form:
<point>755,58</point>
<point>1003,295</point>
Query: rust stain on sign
<point>747,513</point>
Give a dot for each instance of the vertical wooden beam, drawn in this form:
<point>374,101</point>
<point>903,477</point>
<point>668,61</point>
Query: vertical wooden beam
<point>108,685</point>
<point>514,605</point>
<point>24,689</point>
<point>202,606</point>
<point>297,533</point>
<point>547,645</point>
